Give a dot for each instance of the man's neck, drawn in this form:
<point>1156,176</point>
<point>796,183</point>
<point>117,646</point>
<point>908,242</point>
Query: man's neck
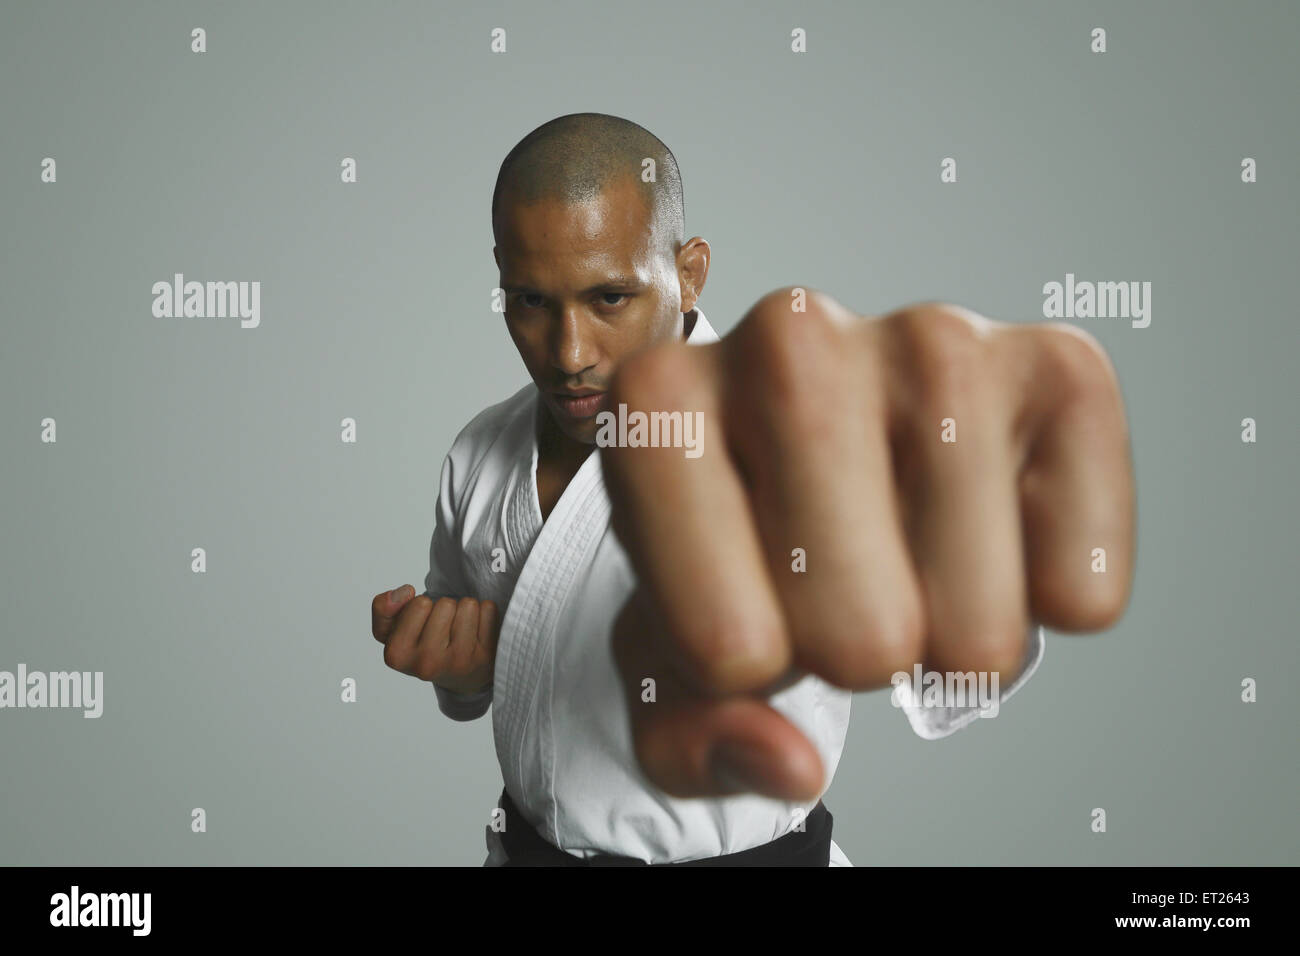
<point>558,459</point>
<point>555,448</point>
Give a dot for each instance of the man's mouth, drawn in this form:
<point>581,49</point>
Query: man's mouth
<point>579,403</point>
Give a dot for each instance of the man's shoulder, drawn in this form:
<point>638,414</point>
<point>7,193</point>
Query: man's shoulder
<point>505,418</point>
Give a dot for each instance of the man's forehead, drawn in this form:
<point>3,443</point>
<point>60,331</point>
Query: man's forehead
<point>612,220</point>
<point>581,257</point>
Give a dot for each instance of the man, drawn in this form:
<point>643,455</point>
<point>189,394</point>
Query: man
<point>671,660</point>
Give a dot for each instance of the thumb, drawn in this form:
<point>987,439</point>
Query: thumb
<point>385,609</point>
<point>692,745</point>
<point>398,597</point>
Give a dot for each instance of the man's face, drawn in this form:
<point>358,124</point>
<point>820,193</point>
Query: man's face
<point>584,287</point>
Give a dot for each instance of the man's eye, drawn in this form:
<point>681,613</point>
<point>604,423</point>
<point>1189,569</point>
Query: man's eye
<point>525,296</point>
<point>617,295</point>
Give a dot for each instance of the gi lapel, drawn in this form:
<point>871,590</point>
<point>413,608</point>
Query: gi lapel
<point>562,549</point>
<point>522,678</point>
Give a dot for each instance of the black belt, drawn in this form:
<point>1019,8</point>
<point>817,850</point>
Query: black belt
<point>811,847</point>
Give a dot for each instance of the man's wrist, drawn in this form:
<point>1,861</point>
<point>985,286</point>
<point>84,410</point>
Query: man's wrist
<point>459,692</point>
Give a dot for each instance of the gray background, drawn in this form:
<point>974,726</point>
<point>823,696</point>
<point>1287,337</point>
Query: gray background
<point>222,689</point>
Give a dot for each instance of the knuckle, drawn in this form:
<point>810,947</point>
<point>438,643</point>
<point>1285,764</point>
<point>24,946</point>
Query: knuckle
<point>466,621</point>
<point>426,667</point>
<point>395,657</point>
<point>416,609</point>
<point>945,348</point>
<point>860,637</point>
<point>466,614</point>
<point>783,300</point>
<point>997,648</point>
<point>1075,358</point>
<point>1004,658</point>
<point>789,348</point>
<point>1106,609</point>
<point>728,655</point>
<point>429,627</point>
<point>868,657</point>
<point>899,645</point>
<point>791,375</point>
<point>1092,603</point>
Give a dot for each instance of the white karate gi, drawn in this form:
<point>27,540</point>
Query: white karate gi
<point>559,722</point>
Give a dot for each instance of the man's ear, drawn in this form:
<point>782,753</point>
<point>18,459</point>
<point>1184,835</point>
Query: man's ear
<point>693,270</point>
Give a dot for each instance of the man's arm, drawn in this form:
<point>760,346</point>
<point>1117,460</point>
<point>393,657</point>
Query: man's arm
<point>442,636</point>
<point>948,478</point>
<point>446,578</point>
<point>450,643</point>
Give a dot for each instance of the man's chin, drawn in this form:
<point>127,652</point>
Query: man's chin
<point>582,430</point>
<point>585,433</point>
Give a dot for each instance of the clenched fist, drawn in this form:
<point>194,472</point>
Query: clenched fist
<point>947,478</point>
<point>451,643</point>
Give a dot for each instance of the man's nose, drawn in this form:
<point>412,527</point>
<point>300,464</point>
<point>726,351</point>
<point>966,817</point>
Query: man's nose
<point>572,350</point>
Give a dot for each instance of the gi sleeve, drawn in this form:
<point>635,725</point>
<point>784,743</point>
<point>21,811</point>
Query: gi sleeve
<point>463,706</point>
<point>446,578</point>
<point>934,722</point>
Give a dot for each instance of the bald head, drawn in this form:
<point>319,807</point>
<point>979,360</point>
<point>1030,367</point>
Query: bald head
<point>574,158</point>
